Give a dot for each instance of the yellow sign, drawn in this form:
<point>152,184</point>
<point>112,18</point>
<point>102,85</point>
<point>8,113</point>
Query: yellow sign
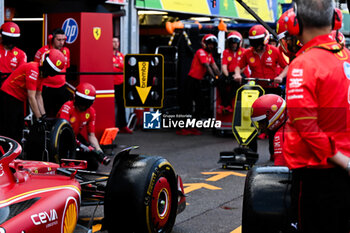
<point>143,89</point>
<point>199,6</point>
<point>245,129</point>
<point>260,7</point>
<point>97,32</point>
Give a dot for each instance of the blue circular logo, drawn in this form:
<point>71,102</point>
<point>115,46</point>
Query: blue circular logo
<point>70,28</point>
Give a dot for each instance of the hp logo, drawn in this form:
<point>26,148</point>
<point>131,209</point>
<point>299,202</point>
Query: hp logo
<point>70,28</point>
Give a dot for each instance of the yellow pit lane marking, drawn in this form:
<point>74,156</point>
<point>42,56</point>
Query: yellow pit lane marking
<point>195,186</point>
<point>220,175</point>
<point>237,230</point>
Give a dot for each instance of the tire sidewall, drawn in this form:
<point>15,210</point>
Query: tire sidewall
<point>128,200</point>
<point>60,126</point>
<point>162,169</point>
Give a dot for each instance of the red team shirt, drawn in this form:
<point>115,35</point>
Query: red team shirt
<point>77,119</point>
<point>318,100</point>
<point>24,78</point>
<point>60,79</point>
<point>231,59</point>
<point>11,59</point>
<point>264,66</point>
<point>198,70</point>
<point>278,147</point>
<point>118,66</point>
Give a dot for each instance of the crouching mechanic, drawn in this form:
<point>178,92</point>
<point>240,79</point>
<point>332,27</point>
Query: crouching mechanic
<point>25,83</point>
<point>269,114</point>
<point>80,114</point>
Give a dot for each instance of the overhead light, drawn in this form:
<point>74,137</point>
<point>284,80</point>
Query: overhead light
<point>200,19</point>
<point>27,19</point>
<point>152,13</point>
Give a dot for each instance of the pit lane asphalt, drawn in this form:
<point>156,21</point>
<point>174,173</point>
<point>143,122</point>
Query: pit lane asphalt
<point>214,208</point>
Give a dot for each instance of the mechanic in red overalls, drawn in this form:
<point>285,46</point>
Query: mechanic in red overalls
<point>11,57</point>
<point>81,115</point>
<point>25,83</point>
<point>226,86</point>
<point>269,113</point>
<point>54,90</point>
<point>267,110</point>
<point>262,59</point>
<point>202,63</point>
<point>118,66</point>
<point>317,135</point>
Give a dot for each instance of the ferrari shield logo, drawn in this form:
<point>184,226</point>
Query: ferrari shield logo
<point>97,32</point>
<point>58,63</point>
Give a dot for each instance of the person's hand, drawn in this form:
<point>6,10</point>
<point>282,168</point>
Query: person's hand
<point>237,77</point>
<point>102,158</point>
<point>40,124</point>
<point>278,79</point>
<point>85,148</point>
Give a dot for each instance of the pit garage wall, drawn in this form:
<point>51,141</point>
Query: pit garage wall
<point>91,51</point>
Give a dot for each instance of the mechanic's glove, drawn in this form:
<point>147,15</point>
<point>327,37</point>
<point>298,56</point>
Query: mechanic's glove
<point>212,81</point>
<point>102,158</point>
<point>215,81</point>
<point>40,124</point>
<point>85,148</point>
<point>43,117</point>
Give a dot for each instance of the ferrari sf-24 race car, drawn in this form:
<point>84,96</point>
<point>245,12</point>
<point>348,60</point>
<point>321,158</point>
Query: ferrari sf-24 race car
<point>141,193</point>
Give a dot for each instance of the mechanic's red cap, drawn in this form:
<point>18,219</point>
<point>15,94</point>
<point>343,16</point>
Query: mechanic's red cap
<point>86,91</point>
<point>10,29</point>
<point>55,59</point>
<point>234,35</point>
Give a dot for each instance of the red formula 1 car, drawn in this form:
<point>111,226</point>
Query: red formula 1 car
<point>141,194</point>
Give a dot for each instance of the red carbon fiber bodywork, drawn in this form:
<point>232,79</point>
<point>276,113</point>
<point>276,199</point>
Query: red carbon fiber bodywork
<point>33,198</point>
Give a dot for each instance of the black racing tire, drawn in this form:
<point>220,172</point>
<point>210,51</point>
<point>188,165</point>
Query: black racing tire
<point>141,196</point>
<point>266,200</point>
<point>62,141</point>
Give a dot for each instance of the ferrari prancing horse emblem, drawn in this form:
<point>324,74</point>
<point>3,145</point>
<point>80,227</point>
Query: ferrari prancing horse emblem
<point>97,32</point>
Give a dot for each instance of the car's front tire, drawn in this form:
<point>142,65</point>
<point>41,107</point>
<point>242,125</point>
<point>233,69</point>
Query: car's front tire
<point>141,195</point>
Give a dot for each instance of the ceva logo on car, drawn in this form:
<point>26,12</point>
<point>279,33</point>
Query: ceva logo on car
<point>44,217</point>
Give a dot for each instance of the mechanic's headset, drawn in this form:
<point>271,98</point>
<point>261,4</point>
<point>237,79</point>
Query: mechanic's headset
<point>295,26</point>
